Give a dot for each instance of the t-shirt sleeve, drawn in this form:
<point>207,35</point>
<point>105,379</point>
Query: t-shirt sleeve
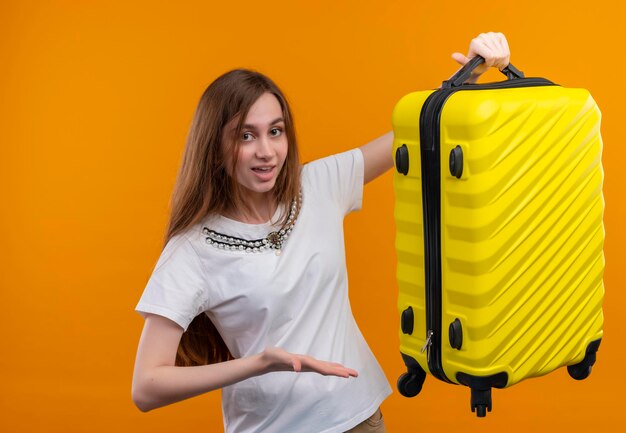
<point>177,287</point>
<point>339,177</point>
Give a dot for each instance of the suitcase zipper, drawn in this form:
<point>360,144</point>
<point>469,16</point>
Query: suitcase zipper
<point>429,125</point>
<point>427,344</point>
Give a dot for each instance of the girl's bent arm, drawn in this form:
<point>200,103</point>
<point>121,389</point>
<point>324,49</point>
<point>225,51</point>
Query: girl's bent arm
<point>158,382</point>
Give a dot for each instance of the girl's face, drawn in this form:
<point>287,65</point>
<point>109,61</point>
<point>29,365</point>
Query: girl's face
<point>262,146</point>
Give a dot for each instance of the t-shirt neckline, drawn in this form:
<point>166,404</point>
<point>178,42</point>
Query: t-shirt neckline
<point>231,227</point>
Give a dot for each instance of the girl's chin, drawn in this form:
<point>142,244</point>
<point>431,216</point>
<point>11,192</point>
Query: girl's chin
<point>256,190</point>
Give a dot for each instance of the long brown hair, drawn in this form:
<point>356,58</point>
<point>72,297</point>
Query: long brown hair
<point>203,186</point>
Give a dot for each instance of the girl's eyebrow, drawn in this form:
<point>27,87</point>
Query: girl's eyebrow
<point>273,122</point>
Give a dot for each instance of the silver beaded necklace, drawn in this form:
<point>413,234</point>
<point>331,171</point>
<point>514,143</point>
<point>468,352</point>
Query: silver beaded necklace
<point>273,241</point>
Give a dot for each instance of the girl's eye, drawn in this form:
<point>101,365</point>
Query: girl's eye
<point>246,136</point>
<point>276,132</point>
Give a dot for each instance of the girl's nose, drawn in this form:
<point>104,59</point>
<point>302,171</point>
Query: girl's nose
<point>263,148</point>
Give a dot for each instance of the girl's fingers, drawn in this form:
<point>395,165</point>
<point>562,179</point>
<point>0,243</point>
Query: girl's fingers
<point>460,58</point>
<point>481,48</point>
<point>326,368</point>
<point>504,46</point>
<point>489,39</point>
<point>352,372</point>
<point>346,370</point>
<point>497,41</point>
<point>493,47</point>
<point>297,365</point>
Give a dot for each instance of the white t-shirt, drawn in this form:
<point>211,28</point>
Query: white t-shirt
<point>297,301</point>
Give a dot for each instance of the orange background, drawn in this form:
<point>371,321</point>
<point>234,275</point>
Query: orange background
<point>96,99</point>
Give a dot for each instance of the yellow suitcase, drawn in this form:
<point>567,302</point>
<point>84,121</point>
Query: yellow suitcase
<point>499,232</point>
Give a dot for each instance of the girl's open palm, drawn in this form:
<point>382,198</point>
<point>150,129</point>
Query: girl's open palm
<point>278,359</point>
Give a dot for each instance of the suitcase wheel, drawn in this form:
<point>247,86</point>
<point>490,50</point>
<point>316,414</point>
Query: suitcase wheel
<point>579,372</point>
<point>481,401</point>
<point>481,410</point>
<point>410,384</point>
<point>582,370</point>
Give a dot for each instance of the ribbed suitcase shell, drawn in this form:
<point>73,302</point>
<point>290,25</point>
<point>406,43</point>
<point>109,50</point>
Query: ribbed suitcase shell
<point>521,231</point>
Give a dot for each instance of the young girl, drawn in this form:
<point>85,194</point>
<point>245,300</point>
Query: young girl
<point>253,273</point>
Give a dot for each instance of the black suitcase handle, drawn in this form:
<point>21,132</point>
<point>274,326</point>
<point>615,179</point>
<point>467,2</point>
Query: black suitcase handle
<point>465,72</point>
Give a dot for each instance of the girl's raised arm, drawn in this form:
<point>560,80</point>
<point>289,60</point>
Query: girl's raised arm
<point>377,156</point>
<point>492,46</point>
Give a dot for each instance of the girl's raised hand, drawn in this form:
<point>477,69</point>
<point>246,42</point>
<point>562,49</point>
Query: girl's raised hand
<point>492,46</point>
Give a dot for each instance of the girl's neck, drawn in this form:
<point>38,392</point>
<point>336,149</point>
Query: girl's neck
<point>256,210</point>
